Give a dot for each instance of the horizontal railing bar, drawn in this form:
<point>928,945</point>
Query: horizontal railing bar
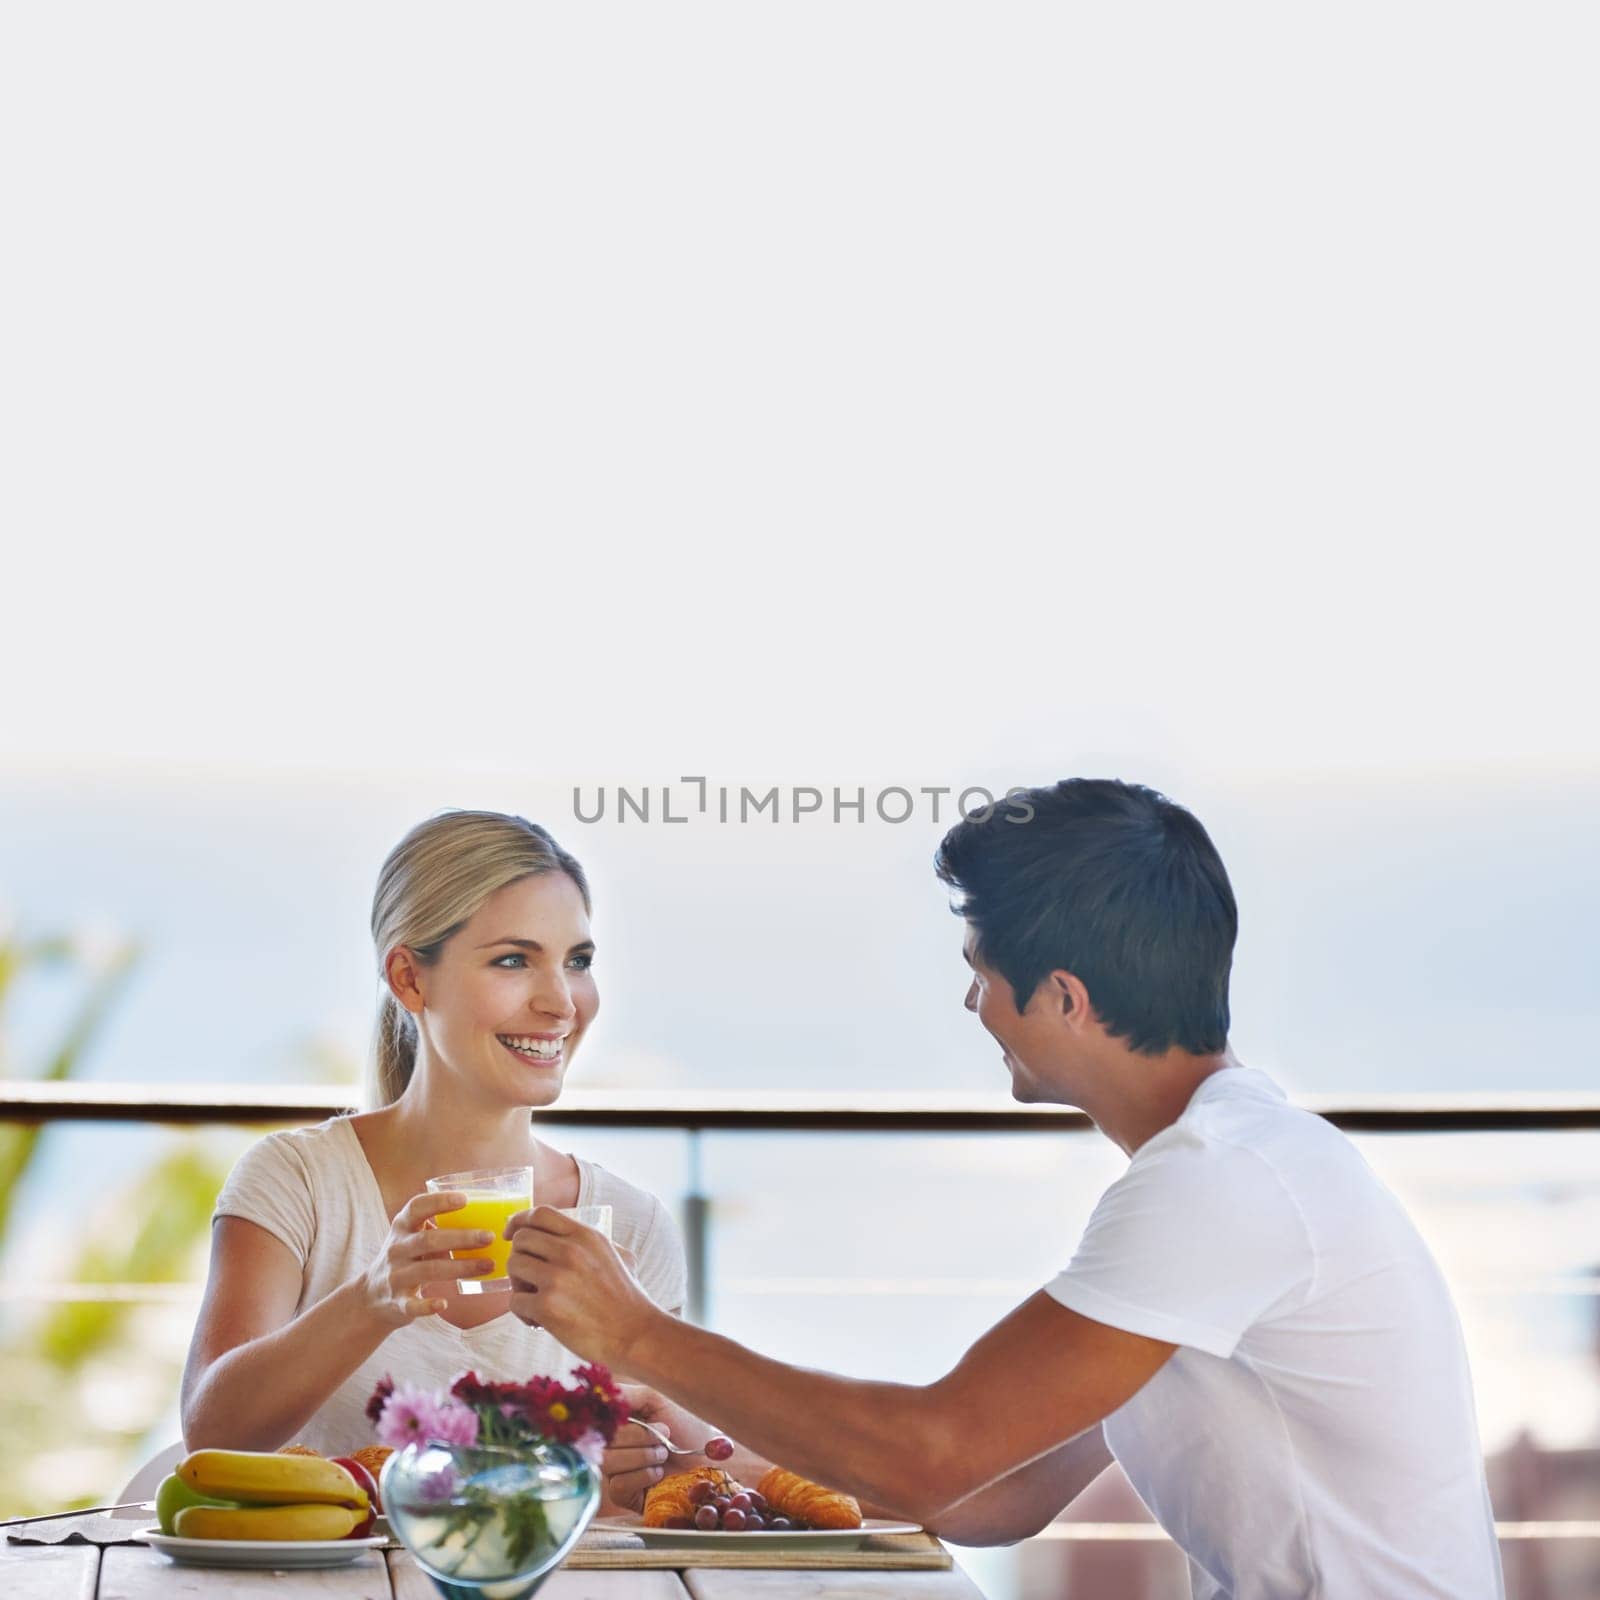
<point>1074,1532</point>
<point>772,1110</point>
<point>74,1294</point>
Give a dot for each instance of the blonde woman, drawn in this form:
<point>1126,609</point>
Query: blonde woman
<point>326,1271</point>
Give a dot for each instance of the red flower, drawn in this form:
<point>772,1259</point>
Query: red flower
<point>545,1407</point>
<point>380,1396</point>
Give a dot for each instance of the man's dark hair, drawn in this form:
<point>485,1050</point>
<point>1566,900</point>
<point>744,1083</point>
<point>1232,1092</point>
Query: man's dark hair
<point>1110,881</point>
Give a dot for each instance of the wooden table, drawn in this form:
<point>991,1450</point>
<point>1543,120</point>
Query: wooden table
<point>135,1572</point>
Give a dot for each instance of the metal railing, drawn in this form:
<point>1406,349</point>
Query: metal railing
<point>789,1111</point>
<point>693,1114</point>
<point>774,1110</point>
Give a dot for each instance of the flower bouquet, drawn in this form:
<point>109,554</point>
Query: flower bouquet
<point>491,1483</point>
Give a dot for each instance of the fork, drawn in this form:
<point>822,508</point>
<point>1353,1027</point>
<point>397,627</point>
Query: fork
<point>716,1448</point>
<point>85,1511</point>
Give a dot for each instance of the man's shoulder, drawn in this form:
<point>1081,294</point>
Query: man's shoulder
<point>1241,1108</point>
<point>1314,1167</point>
<point>1239,1134</point>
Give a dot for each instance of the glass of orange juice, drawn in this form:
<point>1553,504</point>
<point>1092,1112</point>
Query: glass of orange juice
<point>494,1196</point>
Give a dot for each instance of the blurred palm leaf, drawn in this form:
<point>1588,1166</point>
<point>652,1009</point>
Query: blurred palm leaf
<point>170,1206</point>
<point>111,969</point>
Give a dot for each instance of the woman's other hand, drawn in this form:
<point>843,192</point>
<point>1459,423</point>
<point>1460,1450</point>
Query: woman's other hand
<point>633,1463</point>
<point>631,1468</point>
<point>401,1283</point>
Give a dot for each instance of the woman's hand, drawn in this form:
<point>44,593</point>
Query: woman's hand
<point>636,1461</point>
<point>416,1257</point>
<point>633,1461</point>
<point>568,1279</point>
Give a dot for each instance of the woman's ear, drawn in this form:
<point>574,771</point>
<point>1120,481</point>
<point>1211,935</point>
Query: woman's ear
<point>404,974</point>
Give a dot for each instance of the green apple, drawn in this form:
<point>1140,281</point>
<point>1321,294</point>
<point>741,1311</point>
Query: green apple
<point>174,1495</point>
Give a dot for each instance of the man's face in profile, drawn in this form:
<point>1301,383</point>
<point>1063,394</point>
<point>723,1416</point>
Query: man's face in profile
<point>992,1000</point>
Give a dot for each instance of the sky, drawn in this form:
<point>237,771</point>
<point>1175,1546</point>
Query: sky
<point>1428,934</point>
<point>409,411</point>
<point>792,392</point>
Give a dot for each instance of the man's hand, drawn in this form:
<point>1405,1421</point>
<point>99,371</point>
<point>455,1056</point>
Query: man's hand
<point>567,1279</point>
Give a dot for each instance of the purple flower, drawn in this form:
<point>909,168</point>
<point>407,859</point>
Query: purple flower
<point>591,1446</point>
<point>414,1416</point>
<point>437,1487</point>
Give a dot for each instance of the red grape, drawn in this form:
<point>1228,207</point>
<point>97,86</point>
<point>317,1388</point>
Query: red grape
<point>757,1499</point>
<point>733,1520</point>
<point>754,1522</point>
<point>718,1449</point>
<point>700,1491</point>
<point>780,1524</point>
<point>742,1500</point>
<point>705,1519</point>
<point>721,1502</point>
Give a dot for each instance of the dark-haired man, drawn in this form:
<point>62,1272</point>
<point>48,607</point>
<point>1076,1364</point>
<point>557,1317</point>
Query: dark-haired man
<point>1251,1325</point>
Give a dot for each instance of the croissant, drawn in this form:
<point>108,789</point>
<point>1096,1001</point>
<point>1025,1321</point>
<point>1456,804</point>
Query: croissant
<point>670,1498</point>
<point>372,1457</point>
<point>809,1502</point>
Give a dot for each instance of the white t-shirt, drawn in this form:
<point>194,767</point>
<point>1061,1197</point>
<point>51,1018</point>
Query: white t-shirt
<point>314,1189</point>
<point>1314,1434</point>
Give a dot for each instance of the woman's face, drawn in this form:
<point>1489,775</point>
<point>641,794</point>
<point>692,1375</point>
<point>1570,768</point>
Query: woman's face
<point>512,993</point>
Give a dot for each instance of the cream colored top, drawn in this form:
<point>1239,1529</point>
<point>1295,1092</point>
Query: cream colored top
<point>314,1189</point>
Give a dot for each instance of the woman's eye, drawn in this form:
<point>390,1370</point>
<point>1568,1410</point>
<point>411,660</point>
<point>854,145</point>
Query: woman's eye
<point>578,963</point>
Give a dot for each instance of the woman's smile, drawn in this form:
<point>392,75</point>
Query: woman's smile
<point>535,1049</point>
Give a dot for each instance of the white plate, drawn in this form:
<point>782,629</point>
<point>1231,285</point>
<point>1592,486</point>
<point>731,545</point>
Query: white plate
<point>278,1553</point>
<point>717,1538</point>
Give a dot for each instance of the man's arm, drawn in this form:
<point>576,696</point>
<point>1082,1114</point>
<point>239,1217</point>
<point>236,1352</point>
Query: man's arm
<point>1016,1507</point>
<point>1028,1500</point>
<point>1041,1377</point>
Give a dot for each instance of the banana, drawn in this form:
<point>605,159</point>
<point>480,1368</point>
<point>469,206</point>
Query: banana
<point>262,1477</point>
<point>267,1522</point>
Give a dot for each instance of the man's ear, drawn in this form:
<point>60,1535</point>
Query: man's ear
<point>1069,998</point>
<point>403,973</point>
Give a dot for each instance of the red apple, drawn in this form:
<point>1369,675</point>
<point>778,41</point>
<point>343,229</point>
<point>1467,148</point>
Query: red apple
<point>363,1481</point>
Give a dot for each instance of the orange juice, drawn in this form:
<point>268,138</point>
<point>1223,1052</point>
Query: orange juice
<point>491,1211</point>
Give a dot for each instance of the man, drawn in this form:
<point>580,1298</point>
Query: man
<point>1250,1325</point>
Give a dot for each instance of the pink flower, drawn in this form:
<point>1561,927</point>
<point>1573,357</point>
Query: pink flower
<point>414,1416</point>
<point>591,1446</point>
<point>455,1423</point>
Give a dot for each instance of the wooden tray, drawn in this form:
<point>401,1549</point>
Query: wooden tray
<point>905,1552</point>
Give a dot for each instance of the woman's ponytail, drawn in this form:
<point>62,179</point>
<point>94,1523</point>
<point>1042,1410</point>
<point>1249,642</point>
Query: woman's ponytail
<point>394,1052</point>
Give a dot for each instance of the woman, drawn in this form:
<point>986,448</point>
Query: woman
<point>326,1268</point>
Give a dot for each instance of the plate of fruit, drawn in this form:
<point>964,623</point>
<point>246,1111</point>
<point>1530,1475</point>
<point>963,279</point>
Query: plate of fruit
<point>250,1508</point>
<point>705,1506</point>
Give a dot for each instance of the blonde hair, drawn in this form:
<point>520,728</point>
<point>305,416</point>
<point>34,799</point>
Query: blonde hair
<point>430,884</point>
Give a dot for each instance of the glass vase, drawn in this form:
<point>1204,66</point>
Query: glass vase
<point>488,1520</point>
